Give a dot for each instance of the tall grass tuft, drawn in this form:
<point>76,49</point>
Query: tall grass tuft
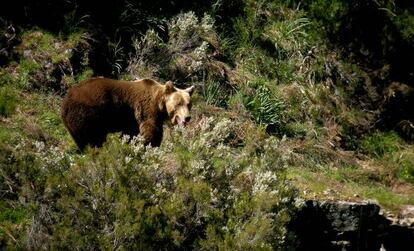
<point>379,143</point>
<point>267,109</point>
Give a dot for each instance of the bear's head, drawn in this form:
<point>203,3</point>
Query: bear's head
<point>178,104</point>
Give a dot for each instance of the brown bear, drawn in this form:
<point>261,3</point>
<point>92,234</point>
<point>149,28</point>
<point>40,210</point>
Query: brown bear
<point>99,106</point>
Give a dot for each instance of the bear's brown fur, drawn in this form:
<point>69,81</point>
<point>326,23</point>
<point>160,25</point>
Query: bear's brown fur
<point>99,106</point>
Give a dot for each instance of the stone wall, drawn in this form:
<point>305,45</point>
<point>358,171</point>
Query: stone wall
<point>347,226</point>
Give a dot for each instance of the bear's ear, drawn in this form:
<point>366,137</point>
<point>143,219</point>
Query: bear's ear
<point>169,87</point>
<point>190,90</point>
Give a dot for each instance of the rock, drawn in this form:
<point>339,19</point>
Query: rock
<point>408,216</point>
<point>27,53</point>
<point>404,218</point>
<point>347,226</point>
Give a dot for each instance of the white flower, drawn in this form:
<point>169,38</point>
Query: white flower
<point>263,181</point>
<point>207,23</point>
<point>127,159</point>
<point>125,138</point>
<point>40,146</point>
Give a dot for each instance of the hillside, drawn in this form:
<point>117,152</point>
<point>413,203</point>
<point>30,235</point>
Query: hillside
<point>295,101</point>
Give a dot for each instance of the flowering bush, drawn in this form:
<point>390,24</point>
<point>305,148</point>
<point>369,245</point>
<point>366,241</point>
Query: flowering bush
<point>185,54</point>
<point>193,192</point>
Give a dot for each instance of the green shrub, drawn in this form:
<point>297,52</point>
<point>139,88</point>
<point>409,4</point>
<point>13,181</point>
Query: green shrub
<point>246,29</point>
<point>8,101</point>
<point>296,130</point>
<point>193,192</point>
<point>87,73</point>
<point>379,143</point>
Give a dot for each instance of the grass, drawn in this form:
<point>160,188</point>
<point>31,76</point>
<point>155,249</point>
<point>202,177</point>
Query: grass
<point>13,218</point>
<point>8,101</point>
<point>214,93</point>
<point>49,62</point>
<point>5,78</point>
<point>406,170</point>
<point>26,68</point>
<point>37,117</point>
<point>12,214</point>
<point>378,143</point>
<point>352,184</point>
<point>8,135</point>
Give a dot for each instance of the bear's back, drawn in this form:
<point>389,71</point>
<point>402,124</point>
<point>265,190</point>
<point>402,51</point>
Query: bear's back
<point>101,91</point>
<point>91,91</point>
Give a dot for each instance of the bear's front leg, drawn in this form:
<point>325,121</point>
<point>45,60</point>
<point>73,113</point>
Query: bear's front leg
<point>152,132</point>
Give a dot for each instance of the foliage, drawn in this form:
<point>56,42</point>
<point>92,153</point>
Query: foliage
<point>195,191</point>
<point>214,93</point>
<point>8,100</point>
<point>406,167</point>
<point>12,218</point>
<point>380,143</point>
<point>266,109</point>
<point>313,73</point>
<point>376,32</point>
<point>49,62</point>
<point>183,57</point>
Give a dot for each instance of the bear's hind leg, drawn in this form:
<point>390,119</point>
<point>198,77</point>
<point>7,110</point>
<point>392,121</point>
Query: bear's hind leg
<point>152,132</point>
<point>93,138</point>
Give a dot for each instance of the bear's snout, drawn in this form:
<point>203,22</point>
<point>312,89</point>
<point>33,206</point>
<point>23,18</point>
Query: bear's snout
<point>186,120</point>
<point>182,121</point>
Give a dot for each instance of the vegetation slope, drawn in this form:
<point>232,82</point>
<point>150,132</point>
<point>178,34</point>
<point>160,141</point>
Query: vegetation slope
<point>295,100</point>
